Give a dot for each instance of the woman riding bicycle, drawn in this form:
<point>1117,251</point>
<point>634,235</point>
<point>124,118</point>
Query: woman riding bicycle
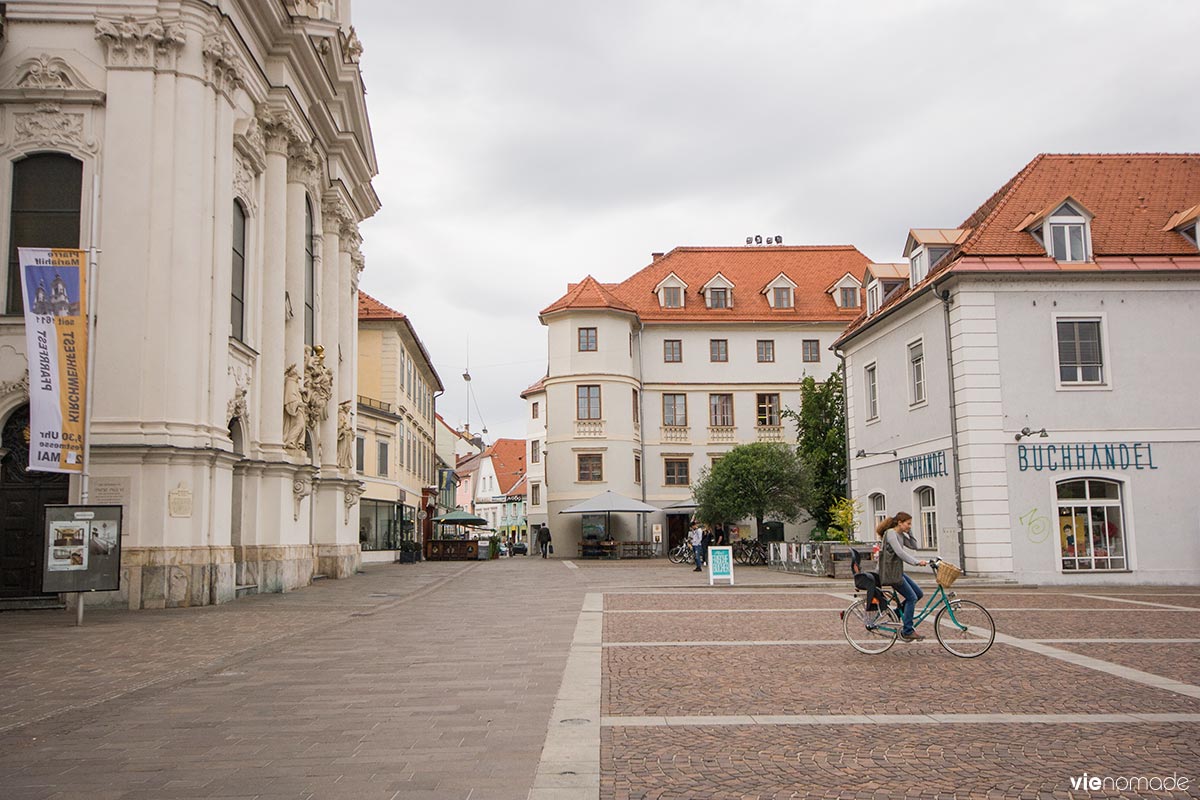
<point>894,553</point>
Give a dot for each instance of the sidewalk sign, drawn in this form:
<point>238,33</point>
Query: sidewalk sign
<point>83,550</point>
<point>720,564</point>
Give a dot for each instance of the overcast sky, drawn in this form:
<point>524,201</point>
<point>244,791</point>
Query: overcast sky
<point>523,145</point>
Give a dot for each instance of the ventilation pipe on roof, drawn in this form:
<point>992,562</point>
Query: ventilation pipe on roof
<point>656,256</point>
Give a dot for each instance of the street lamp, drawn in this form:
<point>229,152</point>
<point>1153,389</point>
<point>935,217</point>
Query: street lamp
<point>1027,432</point>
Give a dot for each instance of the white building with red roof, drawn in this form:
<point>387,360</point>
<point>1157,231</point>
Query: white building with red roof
<point>499,486</point>
<point>652,379</point>
<point>1029,393</point>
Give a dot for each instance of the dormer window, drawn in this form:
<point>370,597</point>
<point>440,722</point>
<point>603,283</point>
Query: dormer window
<point>718,298</point>
<point>670,291</point>
<point>781,292</point>
<point>1068,234</point>
<point>1189,233</point>
<point>849,297</point>
<point>783,297</point>
<point>874,297</point>
<point>918,266</point>
<point>718,292</point>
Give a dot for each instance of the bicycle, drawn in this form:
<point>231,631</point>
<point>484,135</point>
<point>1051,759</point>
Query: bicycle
<point>682,553</point>
<point>749,552</point>
<point>872,624</point>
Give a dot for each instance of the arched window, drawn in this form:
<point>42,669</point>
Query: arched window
<point>927,513</point>
<point>237,301</point>
<point>1091,527</point>
<point>309,276</point>
<point>46,194</point>
<point>878,509</point>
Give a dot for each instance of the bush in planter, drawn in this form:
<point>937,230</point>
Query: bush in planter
<point>408,551</point>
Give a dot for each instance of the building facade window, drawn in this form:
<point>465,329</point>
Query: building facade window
<point>1091,526</point>
<point>536,410</point>
<point>874,297</point>
<point>587,340</point>
<point>916,372</point>
<point>1080,355</point>
<point>360,454</point>
<point>591,467</point>
<point>1068,234</point>
<point>766,351</point>
<point>535,452</point>
<point>812,350</point>
<point>718,297</point>
<point>535,494</point>
<point>672,297</point>
<point>768,410</point>
<point>783,296</point>
<point>310,276</point>
<point>382,458</point>
<point>718,349</point>
<point>637,468</point>
<point>587,401</point>
<point>675,410</point>
<point>872,392</point>
<point>878,509</point>
<point>237,291</point>
<point>635,408</point>
<point>927,513</point>
<point>47,189</point>
<point>675,471</point>
<point>720,410</point>
<point>849,297</point>
<point>672,351</point>
<point>378,525</point>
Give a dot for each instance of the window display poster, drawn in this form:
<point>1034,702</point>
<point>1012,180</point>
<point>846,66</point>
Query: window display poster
<point>83,549</point>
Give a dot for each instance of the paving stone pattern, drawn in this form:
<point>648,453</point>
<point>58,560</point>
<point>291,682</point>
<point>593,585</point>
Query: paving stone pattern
<point>1178,661</point>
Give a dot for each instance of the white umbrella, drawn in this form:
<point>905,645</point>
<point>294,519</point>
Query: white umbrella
<point>609,502</point>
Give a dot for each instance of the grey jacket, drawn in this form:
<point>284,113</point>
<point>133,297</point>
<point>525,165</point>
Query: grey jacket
<point>898,542</point>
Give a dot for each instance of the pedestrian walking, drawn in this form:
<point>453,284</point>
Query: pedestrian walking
<point>706,542</point>
<point>696,537</point>
<point>895,551</point>
<point>720,536</point>
<point>543,540</point>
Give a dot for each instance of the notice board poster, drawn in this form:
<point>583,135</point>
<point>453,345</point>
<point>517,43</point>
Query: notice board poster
<point>83,549</point>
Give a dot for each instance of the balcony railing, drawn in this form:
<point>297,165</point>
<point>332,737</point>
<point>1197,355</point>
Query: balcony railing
<point>770,433</point>
<point>589,429</point>
<point>722,434</point>
<point>676,433</point>
<point>372,403</point>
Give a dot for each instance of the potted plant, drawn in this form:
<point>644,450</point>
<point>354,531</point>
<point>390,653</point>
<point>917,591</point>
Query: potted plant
<point>408,552</point>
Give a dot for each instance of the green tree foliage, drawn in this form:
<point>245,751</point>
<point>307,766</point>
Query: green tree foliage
<point>759,480</point>
<point>821,435</point>
<point>845,514</point>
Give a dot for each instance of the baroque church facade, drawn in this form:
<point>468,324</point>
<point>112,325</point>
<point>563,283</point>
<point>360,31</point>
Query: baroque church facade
<point>218,155</point>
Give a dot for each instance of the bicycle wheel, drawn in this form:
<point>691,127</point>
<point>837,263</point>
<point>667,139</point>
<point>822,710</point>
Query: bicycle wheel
<point>969,633</point>
<point>676,555</point>
<point>870,632</point>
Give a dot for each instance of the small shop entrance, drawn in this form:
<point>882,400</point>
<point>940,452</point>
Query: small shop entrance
<point>677,526</point>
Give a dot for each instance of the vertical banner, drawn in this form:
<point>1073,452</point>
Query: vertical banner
<point>54,284</point>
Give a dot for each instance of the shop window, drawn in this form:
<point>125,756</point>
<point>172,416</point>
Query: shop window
<point>1091,526</point>
<point>927,513</point>
<point>47,189</point>
<point>378,525</point>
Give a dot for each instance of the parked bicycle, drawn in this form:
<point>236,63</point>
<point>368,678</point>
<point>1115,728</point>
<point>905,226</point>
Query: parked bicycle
<point>749,552</point>
<point>872,624</point>
<point>682,553</point>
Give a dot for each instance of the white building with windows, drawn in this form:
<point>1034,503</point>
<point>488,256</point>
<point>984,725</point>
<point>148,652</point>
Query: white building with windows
<point>652,379</point>
<point>1027,395</point>
<point>536,481</point>
<point>395,446</point>
<point>222,154</point>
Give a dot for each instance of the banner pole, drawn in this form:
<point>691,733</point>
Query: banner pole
<point>93,253</point>
<point>79,609</point>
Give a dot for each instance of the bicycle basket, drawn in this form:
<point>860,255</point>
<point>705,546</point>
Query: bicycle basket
<point>947,574</point>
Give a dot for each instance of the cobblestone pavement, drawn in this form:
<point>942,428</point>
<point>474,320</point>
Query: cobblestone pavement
<point>439,680</point>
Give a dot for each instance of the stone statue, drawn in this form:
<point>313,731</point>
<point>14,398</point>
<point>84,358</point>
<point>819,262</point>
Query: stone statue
<point>294,417</point>
<point>345,436</point>
<point>318,384</point>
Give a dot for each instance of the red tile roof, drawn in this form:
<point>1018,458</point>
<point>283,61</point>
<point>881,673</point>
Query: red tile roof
<point>1133,197</point>
<point>508,462</point>
<point>539,386</point>
<point>750,269</point>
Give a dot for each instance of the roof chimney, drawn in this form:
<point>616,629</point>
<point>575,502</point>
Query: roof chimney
<point>656,256</point>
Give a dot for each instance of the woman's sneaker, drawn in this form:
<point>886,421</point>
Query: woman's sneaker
<point>912,637</point>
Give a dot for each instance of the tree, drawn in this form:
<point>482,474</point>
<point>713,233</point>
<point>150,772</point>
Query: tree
<point>821,435</point>
<point>759,480</point>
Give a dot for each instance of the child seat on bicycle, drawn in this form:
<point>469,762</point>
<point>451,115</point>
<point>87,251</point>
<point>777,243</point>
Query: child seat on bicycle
<point>867,582</point>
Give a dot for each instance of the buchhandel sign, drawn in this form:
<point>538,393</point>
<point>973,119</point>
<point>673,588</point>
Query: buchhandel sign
<point>1091,456</point>
<point>54,284</point>
<point>926,465</point>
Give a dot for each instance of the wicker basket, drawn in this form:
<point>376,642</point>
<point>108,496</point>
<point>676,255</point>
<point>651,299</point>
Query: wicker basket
<point>947,574</point>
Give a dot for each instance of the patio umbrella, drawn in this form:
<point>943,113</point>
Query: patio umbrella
<point>682,506</point>
<point>608,502</point>
<point>461,518</point>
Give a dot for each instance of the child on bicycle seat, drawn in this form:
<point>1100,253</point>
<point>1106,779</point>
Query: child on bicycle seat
<point>894,553</point>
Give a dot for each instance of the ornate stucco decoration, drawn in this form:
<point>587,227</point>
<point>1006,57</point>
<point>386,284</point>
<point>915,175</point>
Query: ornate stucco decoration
<point>237,406</point>
<point>318,385</point>
<point>345,435</point>
<point>244,175</point>
<point>48,72</point>
<point>353,492</point>
<point>304,165</point>
<point>279,130</point>
<point>301,488</point>
<point>48,125</point>
<point>251,143</point>
<point>295,420</point>
<point>314,9</point>
<point>335,213</point>
<point>21,386</point>
<point>352,48</point>
<point>146,42</point>
<point>222,63</point>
